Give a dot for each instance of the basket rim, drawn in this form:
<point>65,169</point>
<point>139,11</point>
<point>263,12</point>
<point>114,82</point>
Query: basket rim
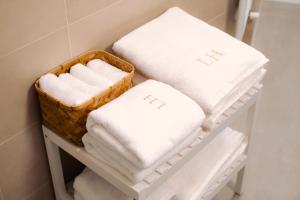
<point>92,100</point>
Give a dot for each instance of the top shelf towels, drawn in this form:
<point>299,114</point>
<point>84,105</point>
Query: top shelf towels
<point>192,56</point>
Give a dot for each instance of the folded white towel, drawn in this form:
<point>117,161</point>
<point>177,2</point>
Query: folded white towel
<point>88,76</point>
<point>104,69</point>
<point>236,93</point>
<point>193,178</point>
<point>102,152</point>
<point>89,186</point>
<point>61,91</point>
<point>210,120</point>
<point>146,122</point>
<point>194,57</point>
<point>78,84</point>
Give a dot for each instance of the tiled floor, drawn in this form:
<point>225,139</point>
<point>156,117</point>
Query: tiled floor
<point>273,171</point>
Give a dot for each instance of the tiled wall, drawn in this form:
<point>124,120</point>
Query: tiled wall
<point>37,35</point>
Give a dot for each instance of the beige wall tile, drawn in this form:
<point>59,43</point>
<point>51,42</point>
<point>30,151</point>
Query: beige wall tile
<point>24,166</point>
<point>1,195</point>
<point>203,9</point>
<point>80,8</point>
<point>19,70</point>
<point>102,29</point>
<point>219,21</point>
<point>25,21</point>
<point>45,192</point>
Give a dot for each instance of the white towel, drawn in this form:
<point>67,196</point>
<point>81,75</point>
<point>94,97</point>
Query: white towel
<point>89,186</point>
<point>78,84</point>
<point>61,91</point>
<point>146,122</point>
<point>99,150</point>
<point>197,174</point>
<point>88,76</point>
<point>236,93</point>
<point>193,179</point>
<point>194,57</point>
<point>211,119</point>
<point>104,69</point>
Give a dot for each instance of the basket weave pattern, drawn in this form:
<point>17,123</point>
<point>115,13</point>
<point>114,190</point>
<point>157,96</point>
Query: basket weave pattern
<point>69,121</point>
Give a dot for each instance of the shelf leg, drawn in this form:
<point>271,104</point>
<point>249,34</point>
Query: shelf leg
<point>56,170</point>
<point>251,115</point>
<point>238,189</point>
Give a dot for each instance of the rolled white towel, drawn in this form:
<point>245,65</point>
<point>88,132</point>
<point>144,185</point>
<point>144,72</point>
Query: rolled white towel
<point>78,84</point>
<point>88,76</point>
<point>104,69</point>
<point>61,91</point>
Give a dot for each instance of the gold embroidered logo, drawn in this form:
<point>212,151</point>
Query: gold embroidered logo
<point>210,57</point>
<point>154,101</point>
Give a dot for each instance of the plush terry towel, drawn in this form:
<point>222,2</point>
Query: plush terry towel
<point>104,69</point>
<point>78,84</point>
<point>100,151</point>
<point>88,76</point>
<point>146,122</point>
<point>61,91</point>
<point>192,178</point>
<point>235,94</point>
<point>212,162</point>
<point>89,186</point>
<point>210,120</point>
<point>194,57</point>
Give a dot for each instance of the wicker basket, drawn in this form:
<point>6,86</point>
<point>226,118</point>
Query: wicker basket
<point>69,121</point>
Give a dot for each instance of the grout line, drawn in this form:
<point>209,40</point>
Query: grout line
<point>96,12</point>
<point>35,191</point>
<point>68,28</point>
<point>18,133</point>
<point>32,42</point>
<point>1,194</point>
<point>219,15</point>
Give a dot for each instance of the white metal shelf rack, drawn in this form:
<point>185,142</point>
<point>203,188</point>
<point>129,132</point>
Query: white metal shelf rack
<point>141,190</point>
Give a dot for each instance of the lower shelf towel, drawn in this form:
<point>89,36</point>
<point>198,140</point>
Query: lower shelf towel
<point>194,177</point>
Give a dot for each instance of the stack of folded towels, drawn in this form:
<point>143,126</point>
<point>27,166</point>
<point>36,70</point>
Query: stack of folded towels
<point>201,61</point>
<point>188,183</point>
<point>142,128</point>
<point>82,83</point>
<point>151,122</point>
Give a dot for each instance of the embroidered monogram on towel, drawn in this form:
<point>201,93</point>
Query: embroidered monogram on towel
<point>210,57</point>
<point>154,101</point>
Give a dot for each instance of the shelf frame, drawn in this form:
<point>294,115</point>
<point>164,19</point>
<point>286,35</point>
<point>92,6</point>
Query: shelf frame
<point>140,191</point>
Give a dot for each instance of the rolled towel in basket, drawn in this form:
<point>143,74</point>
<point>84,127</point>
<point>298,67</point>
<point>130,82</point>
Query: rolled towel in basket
<point>61,91</point>
<point>88,76</point>
<point>146,122</point>
<point>104,69</point>
<point>199,60</point>
<point>78,84</point>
